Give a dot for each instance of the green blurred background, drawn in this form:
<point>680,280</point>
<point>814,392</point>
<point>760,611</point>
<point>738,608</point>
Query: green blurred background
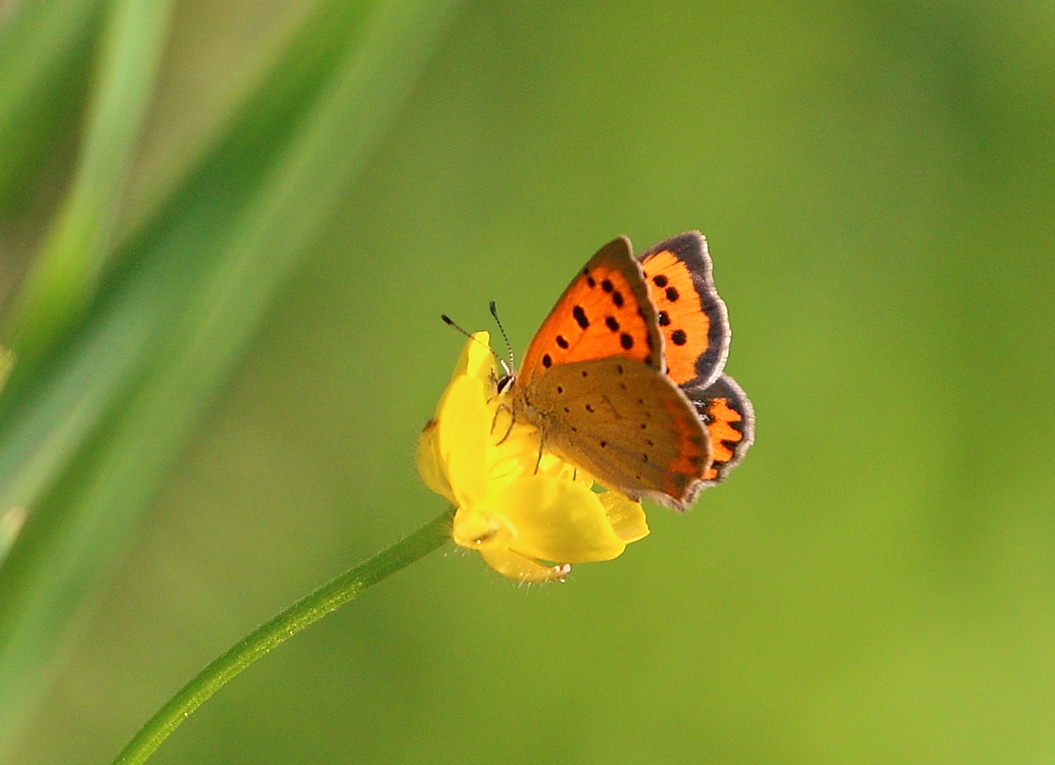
<point>875,584</point>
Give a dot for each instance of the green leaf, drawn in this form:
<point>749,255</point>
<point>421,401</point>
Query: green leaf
<point>86,443</point>
<point>43,47</point>
<point>69,266</point>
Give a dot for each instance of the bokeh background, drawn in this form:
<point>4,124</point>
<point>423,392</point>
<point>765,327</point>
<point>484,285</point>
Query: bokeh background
<point>874,584</point>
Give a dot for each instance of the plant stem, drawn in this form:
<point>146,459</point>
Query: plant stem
<point>281,628</point>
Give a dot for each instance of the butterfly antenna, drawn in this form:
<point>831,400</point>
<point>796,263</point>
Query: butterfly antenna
<point>452,323</point>
<point>512,359</point>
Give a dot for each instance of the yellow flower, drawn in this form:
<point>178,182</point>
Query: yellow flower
<point>529,518</point>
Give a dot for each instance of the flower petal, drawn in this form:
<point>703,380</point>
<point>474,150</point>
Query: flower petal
<point>430,465</point>
<point>481,531</point>
<point>555,519</point>
<point>478,360</point>
<point>516,448</point>
<point>626,516</point>
<point>475,356</point>
<point>463,438</point>
<point>516,566</point>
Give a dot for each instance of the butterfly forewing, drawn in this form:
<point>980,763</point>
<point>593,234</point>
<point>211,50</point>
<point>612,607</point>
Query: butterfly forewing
<point>604,312</point>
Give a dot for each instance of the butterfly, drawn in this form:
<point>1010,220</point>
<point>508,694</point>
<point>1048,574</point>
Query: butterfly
<point>625,376</point>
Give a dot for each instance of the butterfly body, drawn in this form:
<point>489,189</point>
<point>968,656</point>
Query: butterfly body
<point>619,377</point>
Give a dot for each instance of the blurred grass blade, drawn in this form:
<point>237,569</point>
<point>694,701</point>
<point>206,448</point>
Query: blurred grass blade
<point>167,333</point>
<point>42,45</point>
<point>67,270</point>
<point>11,523</point>
<point>40,436</point>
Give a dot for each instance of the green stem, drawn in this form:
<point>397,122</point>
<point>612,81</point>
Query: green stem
<point>281,628</point>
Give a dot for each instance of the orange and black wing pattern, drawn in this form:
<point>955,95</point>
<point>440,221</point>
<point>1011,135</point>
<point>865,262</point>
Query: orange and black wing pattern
<point>692,318</point>
<point>604,312</point>
<point>726,412</point>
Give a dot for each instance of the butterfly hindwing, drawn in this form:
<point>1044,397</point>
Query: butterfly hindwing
<point>726,412</point>
<point>691,317</point>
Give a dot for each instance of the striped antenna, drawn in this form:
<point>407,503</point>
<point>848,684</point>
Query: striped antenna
<point>451,323</point>
<point>512,360</point>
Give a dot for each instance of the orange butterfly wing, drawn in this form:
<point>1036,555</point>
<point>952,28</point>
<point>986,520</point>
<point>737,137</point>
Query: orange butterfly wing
<point>695,327</point>
<point>592,381</point>
<point>691,316</point>
<point>604,312</point>
<point>726,412</point>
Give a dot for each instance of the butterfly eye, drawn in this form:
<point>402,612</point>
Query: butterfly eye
<point>503,383</point>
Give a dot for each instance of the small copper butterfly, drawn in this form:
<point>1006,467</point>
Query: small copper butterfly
<point>624,377</point>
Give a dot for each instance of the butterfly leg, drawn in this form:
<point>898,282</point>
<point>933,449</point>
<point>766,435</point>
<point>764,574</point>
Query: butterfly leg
<point>494,422</point>
<point>541,441</point>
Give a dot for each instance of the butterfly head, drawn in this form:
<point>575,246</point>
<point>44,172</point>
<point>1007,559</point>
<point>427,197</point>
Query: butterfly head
<point>504,383</point>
